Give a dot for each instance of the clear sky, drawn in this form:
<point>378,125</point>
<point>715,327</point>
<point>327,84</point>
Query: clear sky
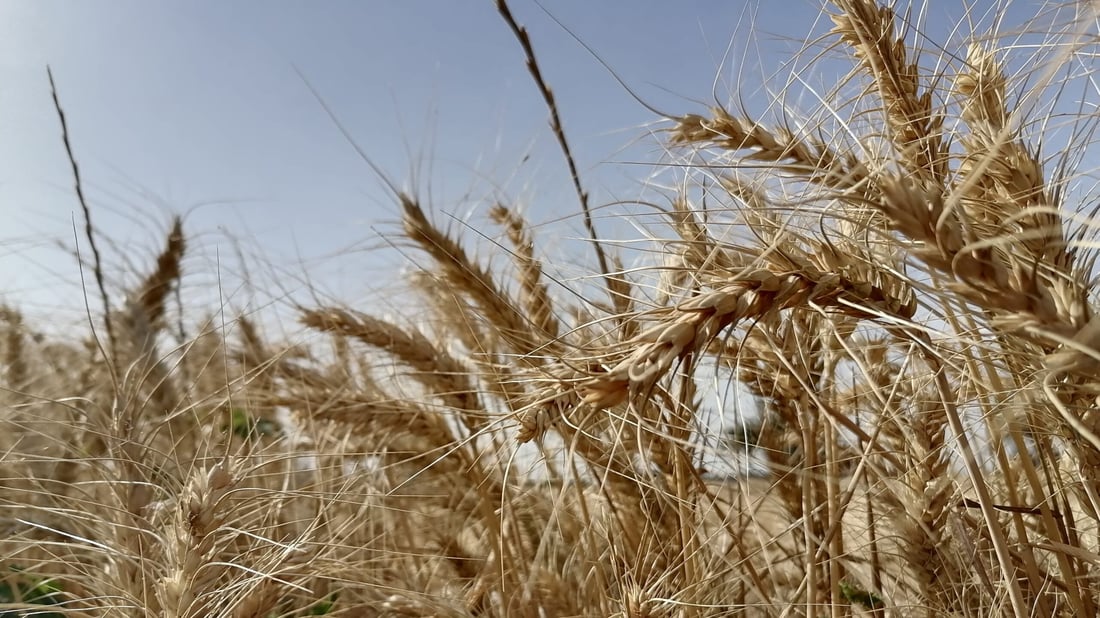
<point>200,107</point>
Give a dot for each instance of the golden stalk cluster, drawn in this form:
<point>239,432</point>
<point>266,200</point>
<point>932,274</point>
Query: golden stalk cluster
<point>911,306</point>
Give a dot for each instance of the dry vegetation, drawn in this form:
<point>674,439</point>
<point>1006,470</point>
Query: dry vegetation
<point>901,278</point>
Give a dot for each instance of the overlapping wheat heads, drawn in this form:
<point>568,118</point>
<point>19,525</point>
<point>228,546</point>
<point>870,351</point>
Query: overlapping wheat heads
<point>899,280</point>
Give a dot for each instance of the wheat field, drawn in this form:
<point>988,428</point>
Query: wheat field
<point>901,277</point>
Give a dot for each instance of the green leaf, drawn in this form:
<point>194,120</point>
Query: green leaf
<point>26,588</point>
<point>322,608</point>
<point>858,596</point>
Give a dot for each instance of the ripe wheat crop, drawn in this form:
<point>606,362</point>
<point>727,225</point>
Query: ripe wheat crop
<point>901,277</point>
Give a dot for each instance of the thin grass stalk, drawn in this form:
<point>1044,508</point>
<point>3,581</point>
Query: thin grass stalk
<point>559,133</point>
<point>89,231</point>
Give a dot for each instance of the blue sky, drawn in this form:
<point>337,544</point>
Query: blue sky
<point>201,108</point>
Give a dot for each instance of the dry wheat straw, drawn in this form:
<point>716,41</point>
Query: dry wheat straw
<point>896,282</point>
